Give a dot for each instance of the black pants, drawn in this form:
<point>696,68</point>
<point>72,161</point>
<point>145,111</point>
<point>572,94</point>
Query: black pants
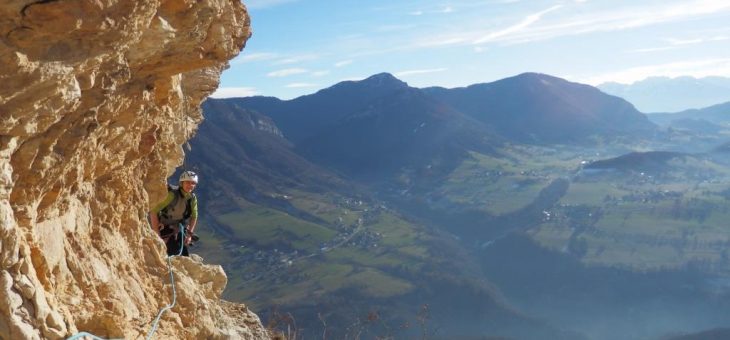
<point>174,242</point>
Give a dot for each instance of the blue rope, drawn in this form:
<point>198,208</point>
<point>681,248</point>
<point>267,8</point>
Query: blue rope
<point>168,307</point>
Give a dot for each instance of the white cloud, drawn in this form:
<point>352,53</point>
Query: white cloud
<point>437,41</point>
<point>265,3</point>
<point>655,49</point>
<point>636,16</point>
<point>575,19</point>
<point>527,21</point>
<point>352,79</point>
<point>442,10</point>
<point>343,63</point>
<point>672,41</point>
<point>296,59</point>
<point>320,73</point>
<point>301,85</point>
<point>447,9</point>
<point>679,43</point>
<point>231,92</point>
<point>251,57</point>
<point>393,28</point>
<point>695,68</point>
<point>424,71</point>
<point>287,72</point>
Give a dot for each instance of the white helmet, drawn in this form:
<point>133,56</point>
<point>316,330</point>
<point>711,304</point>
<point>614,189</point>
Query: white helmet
<point>189,176</point>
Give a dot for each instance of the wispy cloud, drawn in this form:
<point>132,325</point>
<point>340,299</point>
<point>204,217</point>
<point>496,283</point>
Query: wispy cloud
<point>297,59</point>
<point>232,92</point>
<point>654,49</point>
<point>424,71</point>
<point>440,10</point>
<point>343,63</point>
<point>645,16</point>
<point>569,20</point>
<point>287,72</point>
<point>251,57</point>
<point>301,85</point>
<point>631,17</point>
<point>393,28</point>
<point>258,4</point>
<point>696,68</point>
<point>442,41</point>
<point>353,78</point>
<point>678,42</point>
<point>320,73</point>
<point>674,43</point>
<point>527,21</point>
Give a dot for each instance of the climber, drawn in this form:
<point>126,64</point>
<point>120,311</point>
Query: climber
<point>177,211</point>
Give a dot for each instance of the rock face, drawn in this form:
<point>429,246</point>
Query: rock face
<point>97,98</point>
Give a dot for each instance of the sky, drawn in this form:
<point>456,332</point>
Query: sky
<point>301,46</point>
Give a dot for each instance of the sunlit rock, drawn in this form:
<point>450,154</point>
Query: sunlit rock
<point>96,99</point>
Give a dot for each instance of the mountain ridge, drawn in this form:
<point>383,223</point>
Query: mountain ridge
<point>543,105</point>
<point>665,94</point>
<point>529,107</point>
<point>718,113</point>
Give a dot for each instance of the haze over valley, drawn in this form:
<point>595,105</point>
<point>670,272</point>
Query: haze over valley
<point>530,207</point>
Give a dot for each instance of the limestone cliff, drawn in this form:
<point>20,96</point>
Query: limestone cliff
<point>97,98</point>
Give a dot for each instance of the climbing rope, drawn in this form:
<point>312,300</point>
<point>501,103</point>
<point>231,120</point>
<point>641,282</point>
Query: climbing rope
<point>153,329</point>
<point>172,280</point>
<point>79,335</point>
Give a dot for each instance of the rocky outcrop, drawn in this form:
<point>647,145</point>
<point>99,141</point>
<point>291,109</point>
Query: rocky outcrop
<point>97,98</point>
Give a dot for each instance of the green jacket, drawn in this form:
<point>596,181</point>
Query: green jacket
<point>178,206</point>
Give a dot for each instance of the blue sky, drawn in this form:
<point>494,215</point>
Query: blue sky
<point>301,46</point>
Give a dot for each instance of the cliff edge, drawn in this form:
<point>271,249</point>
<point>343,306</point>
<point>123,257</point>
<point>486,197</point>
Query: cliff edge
<point>97,98</point>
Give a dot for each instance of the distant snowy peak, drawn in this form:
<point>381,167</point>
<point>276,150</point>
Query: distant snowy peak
<point>663,94</point>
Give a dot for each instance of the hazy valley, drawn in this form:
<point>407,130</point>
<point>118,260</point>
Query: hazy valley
<point>530,208</point>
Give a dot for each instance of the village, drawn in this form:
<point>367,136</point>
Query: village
<point>275,261</point>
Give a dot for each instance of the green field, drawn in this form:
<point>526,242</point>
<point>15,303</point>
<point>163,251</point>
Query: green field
<point>590,193</point>
<point>267,227</point>
<point>331,208</point>
<point>645,221</point>
<point>316,272</point>
<point>499,185</point>
<point>640,228</point>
